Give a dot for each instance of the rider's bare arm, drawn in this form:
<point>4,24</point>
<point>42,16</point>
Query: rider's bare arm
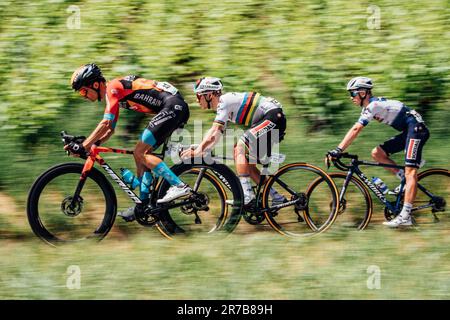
<point>350,136</point>
<point>106,136</point>
<point>211,138</point>
<point>104,130</point>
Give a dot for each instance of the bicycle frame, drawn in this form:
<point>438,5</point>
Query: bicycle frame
<point>354,169</point>
<point>262,182</point>
<point>260,185</point>
<point>94,157</point>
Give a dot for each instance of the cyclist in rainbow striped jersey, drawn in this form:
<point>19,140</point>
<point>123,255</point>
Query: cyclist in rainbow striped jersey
<point>264,118</point>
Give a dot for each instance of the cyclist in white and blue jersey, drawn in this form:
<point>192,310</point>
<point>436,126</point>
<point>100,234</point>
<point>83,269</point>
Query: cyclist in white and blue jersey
<point>414,134</point>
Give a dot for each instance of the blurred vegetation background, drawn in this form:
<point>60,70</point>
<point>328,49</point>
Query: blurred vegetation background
<point>300,52</point>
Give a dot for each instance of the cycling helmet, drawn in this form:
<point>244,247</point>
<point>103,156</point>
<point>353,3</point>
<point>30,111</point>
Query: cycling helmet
<point>359,83</point>
<point>85,76</point>
<point>207,84</point>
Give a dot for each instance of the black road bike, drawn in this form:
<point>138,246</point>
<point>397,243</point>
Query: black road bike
<point>355,201</point>
<point>75,201</point>
<point>305,212</point>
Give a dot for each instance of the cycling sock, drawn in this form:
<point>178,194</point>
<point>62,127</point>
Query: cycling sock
<point>246,185</point>
<point>406,211</point>
<point>146,182</point>
<point>164,171</point>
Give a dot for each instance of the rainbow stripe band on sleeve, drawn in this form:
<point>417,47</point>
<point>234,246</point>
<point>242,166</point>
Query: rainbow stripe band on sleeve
<point>248,107</point>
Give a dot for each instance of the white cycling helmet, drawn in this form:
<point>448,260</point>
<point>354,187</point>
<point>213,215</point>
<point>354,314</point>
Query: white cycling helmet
<point>359,83</point>
<point>207,84</point>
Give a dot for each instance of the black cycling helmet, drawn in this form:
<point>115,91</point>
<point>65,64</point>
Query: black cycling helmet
<point>86,75</point>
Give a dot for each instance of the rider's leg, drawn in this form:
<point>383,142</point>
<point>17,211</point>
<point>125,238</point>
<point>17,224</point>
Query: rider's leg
<point>382,152</point>
<point>144,159</point>
<point>418,135</point>
<point>379,155</point>
<point>152,162</point>
<point>159,167</point>
<point>410,191</point>
<point>141,151</point>
<point>244,171</point>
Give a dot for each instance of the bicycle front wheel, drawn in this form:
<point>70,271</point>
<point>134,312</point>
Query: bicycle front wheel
<point>294,181</point>
<point>433,196</point>
<point>219,206</point>
<point>56,217</point>
<point>355,204</point>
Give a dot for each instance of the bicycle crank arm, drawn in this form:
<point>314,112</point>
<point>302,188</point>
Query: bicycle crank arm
<point>282,205</point>
<point>422,207</point>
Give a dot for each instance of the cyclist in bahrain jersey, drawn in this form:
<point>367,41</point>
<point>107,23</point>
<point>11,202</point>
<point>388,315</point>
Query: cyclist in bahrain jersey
<point>414,134</point>
<point>262,115</point>
<point>140,95</point>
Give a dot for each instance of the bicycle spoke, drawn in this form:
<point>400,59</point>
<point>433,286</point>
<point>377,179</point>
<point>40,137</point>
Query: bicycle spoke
<point>57,215</point>
<point>293,184</point>
<point>433,196</point>
<point>206,211</point>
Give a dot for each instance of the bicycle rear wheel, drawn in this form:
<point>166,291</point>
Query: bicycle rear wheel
<point>355,206</point>
<point>433,196</point>
<point>294,181</point>
<point>221,209</point>
<point>56,218</point>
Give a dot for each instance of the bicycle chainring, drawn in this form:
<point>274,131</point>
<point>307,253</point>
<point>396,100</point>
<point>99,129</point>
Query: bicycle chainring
<point>252,215</point>
<point>144,216</point>
<point>388,214</point>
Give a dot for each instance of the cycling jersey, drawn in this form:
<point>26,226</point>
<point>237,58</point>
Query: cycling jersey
<point>390,112</point>
<point>138,94</point>
<point>394,113</point>
<point>262,135</point>
<point>245,108</point>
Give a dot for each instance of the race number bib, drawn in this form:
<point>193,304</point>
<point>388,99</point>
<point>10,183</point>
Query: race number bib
<point>167,87</point>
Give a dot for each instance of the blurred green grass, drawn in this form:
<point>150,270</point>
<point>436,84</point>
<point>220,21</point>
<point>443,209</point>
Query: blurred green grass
<point>413,265</point>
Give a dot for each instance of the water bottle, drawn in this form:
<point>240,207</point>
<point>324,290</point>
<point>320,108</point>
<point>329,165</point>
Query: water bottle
<point>380,185</point>
<point>129,178</point>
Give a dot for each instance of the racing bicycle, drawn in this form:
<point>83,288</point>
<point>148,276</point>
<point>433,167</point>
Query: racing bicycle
<point>303,212</point>
<point>355,201</point>
<point>75,201</point>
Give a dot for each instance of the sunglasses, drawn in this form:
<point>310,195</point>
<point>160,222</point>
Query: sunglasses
<point>353,93</point>
<point>200,95</point>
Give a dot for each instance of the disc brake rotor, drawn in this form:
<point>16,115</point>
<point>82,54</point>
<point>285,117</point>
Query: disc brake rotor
<point>72,207</point>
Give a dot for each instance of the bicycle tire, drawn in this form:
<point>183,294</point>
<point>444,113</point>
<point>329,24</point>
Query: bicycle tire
<point>277,221</point>
<point>34,215</point>
<point>362,220</point>
<point>437,182</point>
<point>220,175</point>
